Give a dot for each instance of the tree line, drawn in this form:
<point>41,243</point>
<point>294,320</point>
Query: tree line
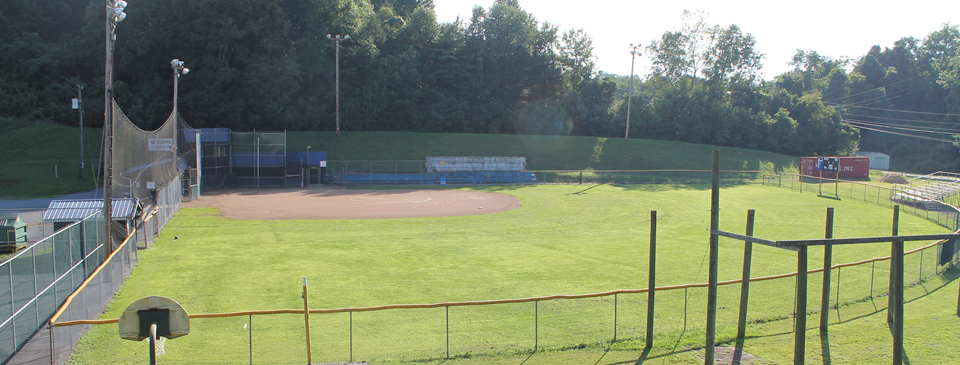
<point>268,64</point>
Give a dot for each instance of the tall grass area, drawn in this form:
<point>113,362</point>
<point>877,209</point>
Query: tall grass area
<point>566,239</point>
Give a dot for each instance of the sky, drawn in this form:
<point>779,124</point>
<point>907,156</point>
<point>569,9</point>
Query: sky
<point>839,28</point>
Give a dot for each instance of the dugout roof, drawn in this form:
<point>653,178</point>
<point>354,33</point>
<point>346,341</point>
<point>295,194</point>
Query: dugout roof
<point>71,210</point>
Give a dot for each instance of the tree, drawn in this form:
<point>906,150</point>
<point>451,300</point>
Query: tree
<point>576,55</point>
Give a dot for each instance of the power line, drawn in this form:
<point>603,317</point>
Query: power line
<point>898,127</point>
<point>877,99</point>
<point>874,89</point>
<point>904,111</point>
<point>905,134</point>
<point>901,119</point>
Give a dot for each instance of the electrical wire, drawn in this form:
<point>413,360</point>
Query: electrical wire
<point>902,120</point>
<point>907,111</point>
<point>884,97</point>
<point>871,90</point>
<point>904,134</point>
<point>897,127</point>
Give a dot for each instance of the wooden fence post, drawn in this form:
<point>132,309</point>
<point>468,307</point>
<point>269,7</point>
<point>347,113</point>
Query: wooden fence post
<point>745,283</point>
<point>714,262</point>
<point>827,264</point>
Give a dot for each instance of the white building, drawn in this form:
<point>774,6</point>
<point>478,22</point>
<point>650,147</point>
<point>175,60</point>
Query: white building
<point>878,161</point>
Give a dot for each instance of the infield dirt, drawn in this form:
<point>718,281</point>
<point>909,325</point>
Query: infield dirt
<point>339,203</point>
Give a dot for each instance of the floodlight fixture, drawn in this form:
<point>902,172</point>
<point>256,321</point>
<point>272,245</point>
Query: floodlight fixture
<point>185,71</point>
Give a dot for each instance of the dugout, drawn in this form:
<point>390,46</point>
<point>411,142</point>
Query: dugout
<point>216,158</point>
<point>206,154</point>
<point>13,232</point>
<point>312,165</point>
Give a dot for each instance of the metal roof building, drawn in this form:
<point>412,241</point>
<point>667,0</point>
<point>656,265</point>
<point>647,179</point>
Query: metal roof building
<point>72,210</point>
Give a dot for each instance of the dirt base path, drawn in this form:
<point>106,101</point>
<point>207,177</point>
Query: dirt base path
<point>338,203</point>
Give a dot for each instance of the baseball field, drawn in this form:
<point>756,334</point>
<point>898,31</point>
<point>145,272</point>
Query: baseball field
<point>248,250</point>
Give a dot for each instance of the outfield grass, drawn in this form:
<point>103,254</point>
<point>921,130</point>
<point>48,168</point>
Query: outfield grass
<point>566,239</point>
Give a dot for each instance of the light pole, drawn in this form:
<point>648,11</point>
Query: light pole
<point>178,70</point>
<point>308,155</point>
<point>114,15</point>
<point>337,40</point>
<point>633,57</point>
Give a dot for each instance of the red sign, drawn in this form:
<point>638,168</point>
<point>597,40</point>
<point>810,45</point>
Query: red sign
<point>849,167</point>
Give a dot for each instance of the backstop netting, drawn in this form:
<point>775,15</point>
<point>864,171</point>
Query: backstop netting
<point>145,164</point>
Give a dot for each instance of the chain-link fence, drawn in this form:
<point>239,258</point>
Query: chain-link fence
<point>644,176</point>
<point>259,159</point>
<point>935,211</point>
<point>90,301</point>
<point>417,333</point>
<point>416,172</point>
<point>35,281</point>
<point>43,276</point>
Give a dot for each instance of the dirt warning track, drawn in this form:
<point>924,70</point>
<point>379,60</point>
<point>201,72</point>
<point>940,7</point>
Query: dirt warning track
<point>339,203</point>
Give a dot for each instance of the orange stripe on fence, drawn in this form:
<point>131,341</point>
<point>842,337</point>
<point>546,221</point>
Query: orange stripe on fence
<point>83,285</point>
<point>489,302</point>
<point>459,304</point>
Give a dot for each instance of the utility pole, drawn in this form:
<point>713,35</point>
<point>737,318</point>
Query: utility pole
<point>337,40</point>
<point>633,57</point>
<point>78,104</point>
<point>114,14</point>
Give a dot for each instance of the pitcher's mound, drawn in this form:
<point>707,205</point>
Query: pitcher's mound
<point>339,203</point>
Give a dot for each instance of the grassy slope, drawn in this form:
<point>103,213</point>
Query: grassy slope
<point>37,149</point>
<point>564,239</point>
<point>31,154</point>
<point>542,152</point>
<point>42,161</point>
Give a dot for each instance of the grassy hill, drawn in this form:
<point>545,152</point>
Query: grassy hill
<point>41,160</point>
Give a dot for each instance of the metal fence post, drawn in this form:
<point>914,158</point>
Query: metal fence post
<point>838,289</point>
<point>250,335</point>
<point>448,331</point>
<point>800,326</point>
<point>615,317</point>
<point>652,279</point>
<point>351,336</point>
<point>536,325</point>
